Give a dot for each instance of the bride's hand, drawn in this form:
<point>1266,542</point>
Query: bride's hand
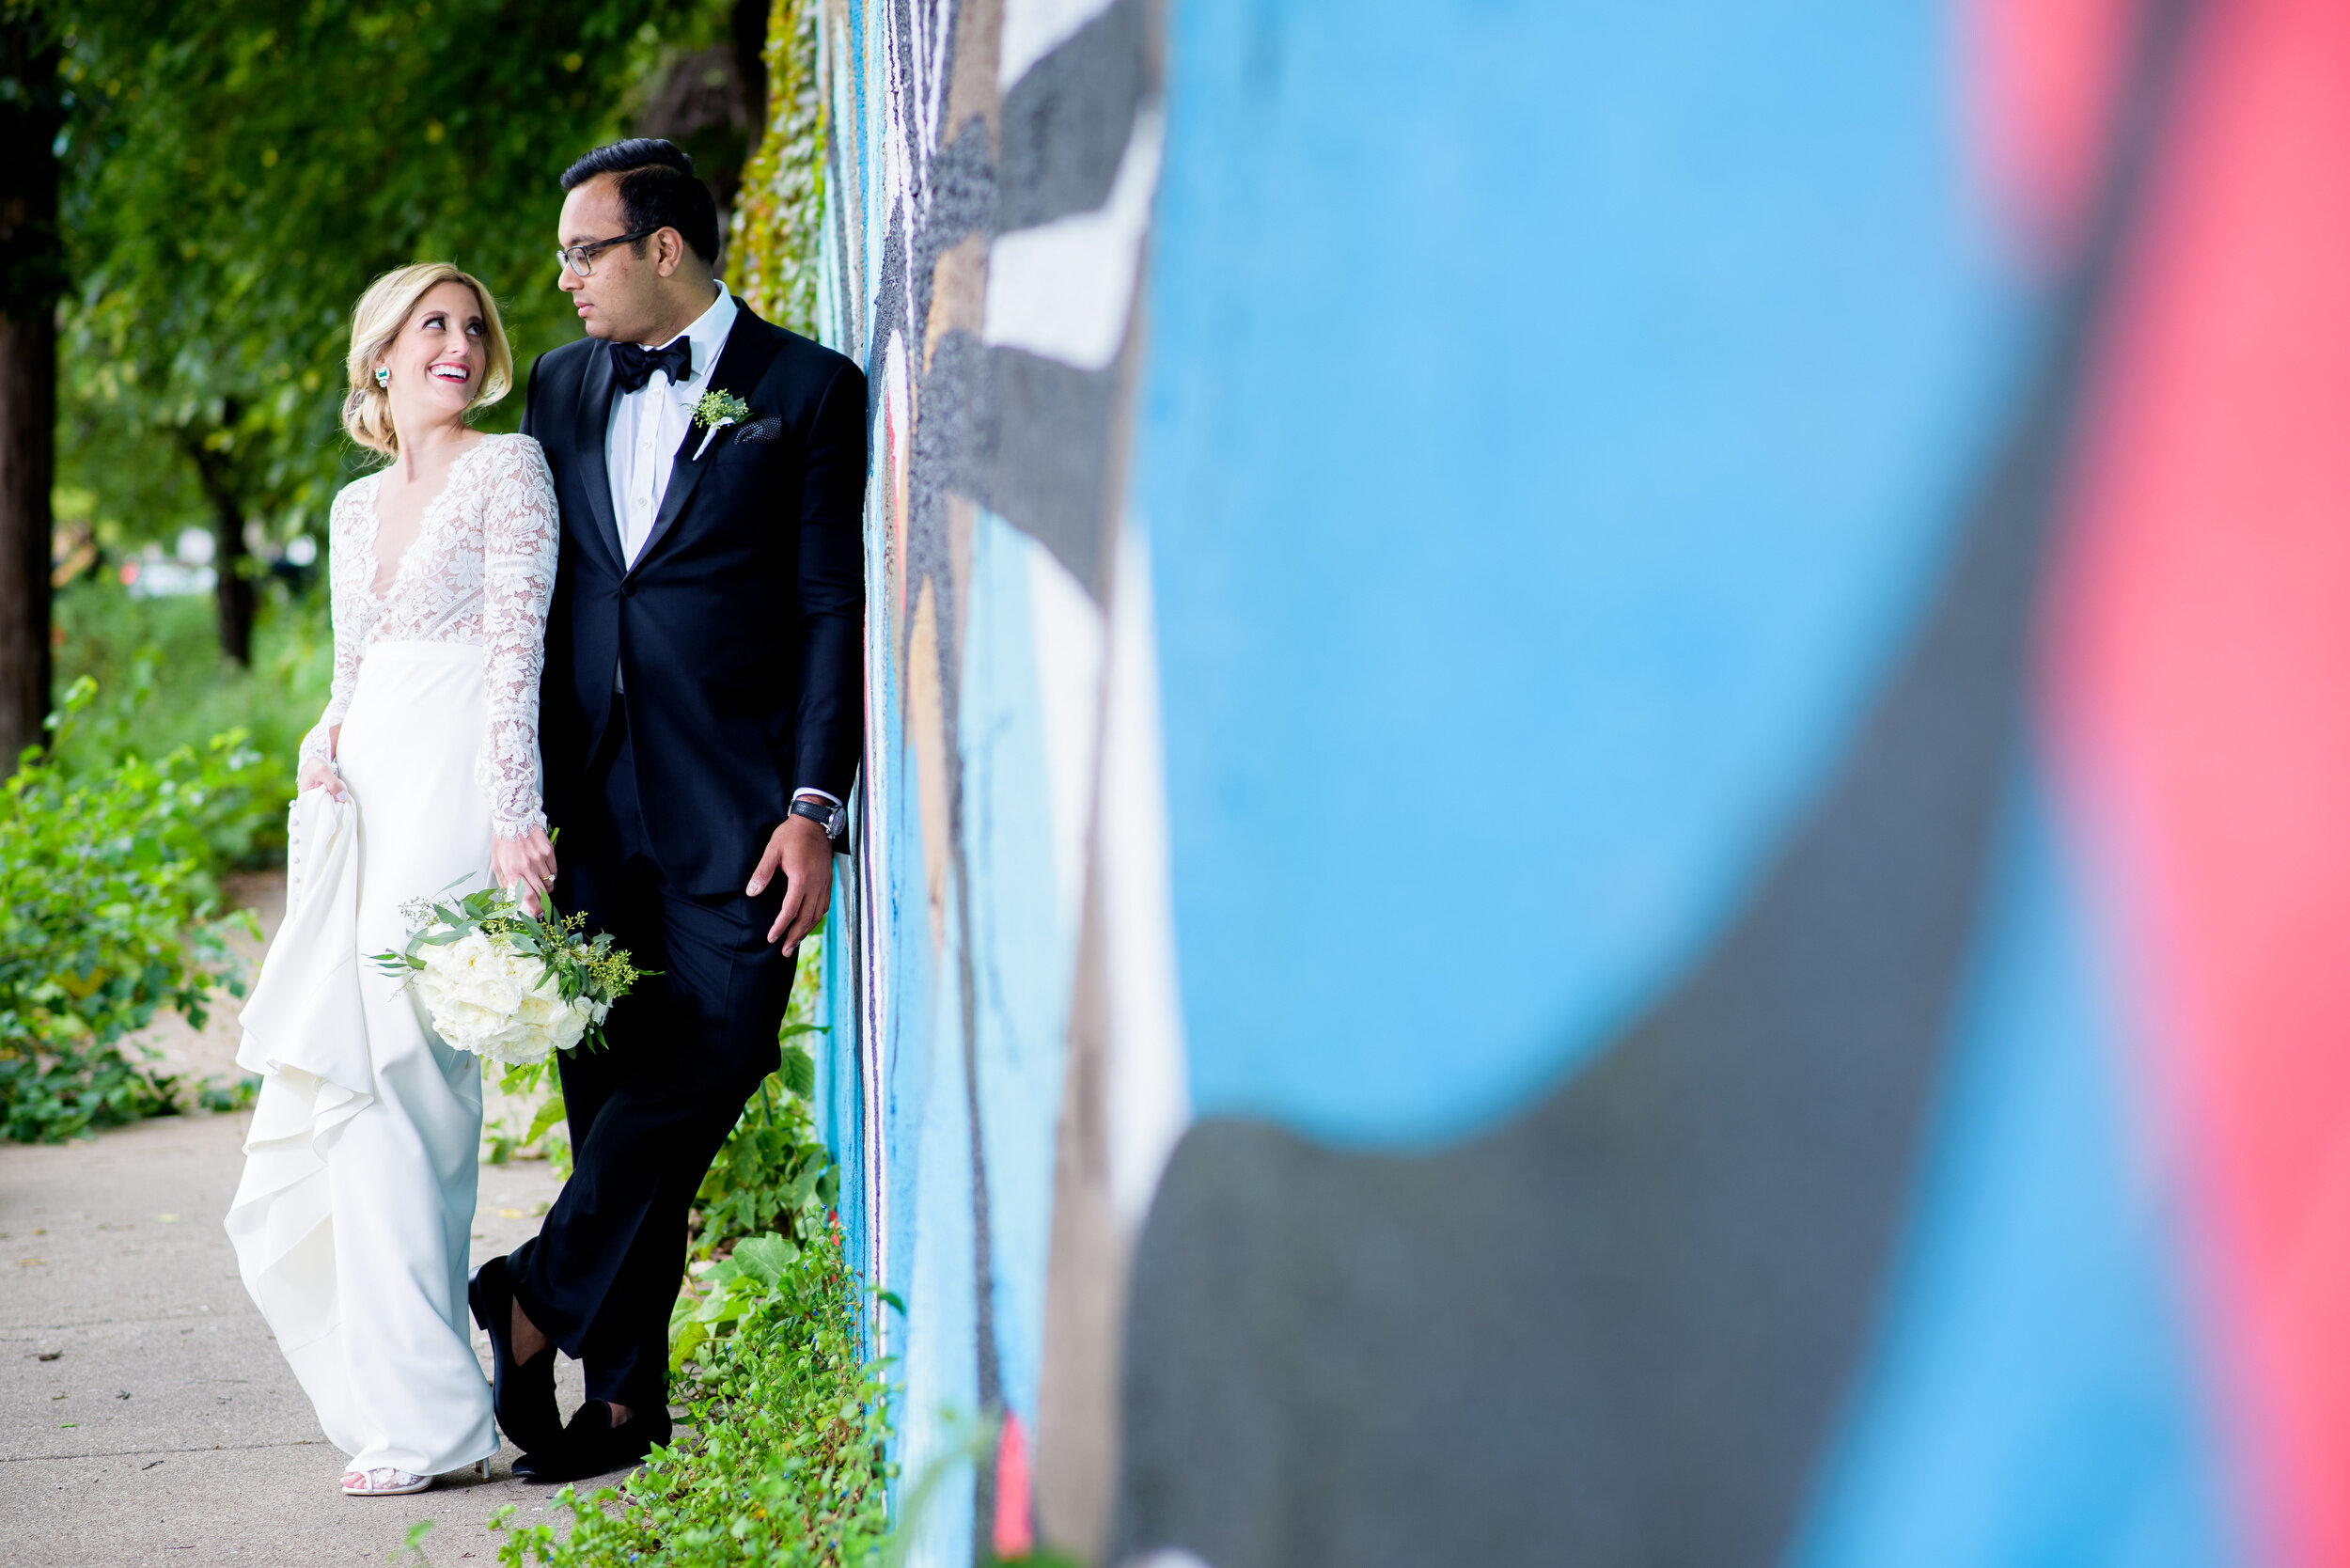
<point>528,861</point>
<point>319,773</point>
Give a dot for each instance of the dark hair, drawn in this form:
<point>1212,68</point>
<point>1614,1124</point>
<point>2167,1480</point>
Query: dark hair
<point>657,190</point>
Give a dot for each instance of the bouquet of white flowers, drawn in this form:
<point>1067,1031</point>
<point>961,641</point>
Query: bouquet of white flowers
<point>508,985</point>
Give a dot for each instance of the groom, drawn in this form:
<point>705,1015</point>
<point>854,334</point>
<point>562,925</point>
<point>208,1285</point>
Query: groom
<point>700,720</point>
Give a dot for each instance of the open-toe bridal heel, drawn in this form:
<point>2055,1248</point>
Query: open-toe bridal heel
<point>383,1482</point>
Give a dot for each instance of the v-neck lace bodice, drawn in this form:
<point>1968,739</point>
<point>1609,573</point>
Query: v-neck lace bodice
<point>480,571</point>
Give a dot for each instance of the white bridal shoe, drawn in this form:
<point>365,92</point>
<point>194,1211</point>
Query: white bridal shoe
<point>389,1483</point>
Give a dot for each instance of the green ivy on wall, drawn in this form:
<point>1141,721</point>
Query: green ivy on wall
<point>779,217</point>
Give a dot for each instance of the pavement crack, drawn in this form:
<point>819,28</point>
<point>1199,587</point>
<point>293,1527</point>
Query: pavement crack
<point>7,1330</point>
<point>134,1453</point>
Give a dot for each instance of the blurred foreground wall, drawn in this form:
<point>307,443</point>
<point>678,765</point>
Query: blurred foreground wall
<point>1605,811</point>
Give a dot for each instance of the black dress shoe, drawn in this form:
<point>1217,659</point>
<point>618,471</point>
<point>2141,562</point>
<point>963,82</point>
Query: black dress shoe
<point>592,1446</point>
<point>521,1393</point>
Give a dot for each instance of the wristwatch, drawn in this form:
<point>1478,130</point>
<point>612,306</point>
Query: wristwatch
<point>833,820</point>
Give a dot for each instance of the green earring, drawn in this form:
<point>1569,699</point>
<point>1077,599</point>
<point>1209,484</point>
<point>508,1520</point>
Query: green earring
<point>383,377</point>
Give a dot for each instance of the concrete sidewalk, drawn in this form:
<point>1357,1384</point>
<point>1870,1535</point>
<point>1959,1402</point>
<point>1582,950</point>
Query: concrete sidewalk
<point>145,1415</point>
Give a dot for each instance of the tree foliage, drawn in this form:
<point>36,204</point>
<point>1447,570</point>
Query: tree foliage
<point>238,172</point>
<point>778,218</point>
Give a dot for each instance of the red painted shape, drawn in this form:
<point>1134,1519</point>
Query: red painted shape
<point>2201,682</point>
<point>2043,80</point>
<point>1016,1532</point>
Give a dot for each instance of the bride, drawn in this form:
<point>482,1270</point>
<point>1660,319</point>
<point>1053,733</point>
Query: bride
<point>353,1218</point>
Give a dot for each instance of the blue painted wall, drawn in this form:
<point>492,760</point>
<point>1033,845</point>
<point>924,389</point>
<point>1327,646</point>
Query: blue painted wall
<point>1541,470</point>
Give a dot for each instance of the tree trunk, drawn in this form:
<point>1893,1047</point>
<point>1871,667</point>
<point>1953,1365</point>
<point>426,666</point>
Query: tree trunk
<point>31,278</point>
<point>748,25</point>
<point>28,424</point>
<point>232,591</point>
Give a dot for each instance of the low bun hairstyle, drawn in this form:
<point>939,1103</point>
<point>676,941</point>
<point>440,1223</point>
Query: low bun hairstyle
<point>376,322</point>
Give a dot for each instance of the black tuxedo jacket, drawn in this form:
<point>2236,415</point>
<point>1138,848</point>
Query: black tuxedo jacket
<point>738,635</point>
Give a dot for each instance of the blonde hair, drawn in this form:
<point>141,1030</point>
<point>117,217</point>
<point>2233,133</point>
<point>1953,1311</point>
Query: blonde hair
<point>376,322</point>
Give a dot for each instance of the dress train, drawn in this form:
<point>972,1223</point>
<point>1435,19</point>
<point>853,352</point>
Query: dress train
<point>352,1222</point>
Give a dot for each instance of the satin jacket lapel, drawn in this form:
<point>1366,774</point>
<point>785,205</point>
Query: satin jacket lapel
<point>593,426</point>
<point>744,360</point>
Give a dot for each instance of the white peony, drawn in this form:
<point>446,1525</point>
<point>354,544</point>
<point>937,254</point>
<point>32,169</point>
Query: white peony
<point>485,992</point>
<point>502,1005</point>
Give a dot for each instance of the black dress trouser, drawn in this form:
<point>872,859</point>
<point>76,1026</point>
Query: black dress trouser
<point>650,1111</point>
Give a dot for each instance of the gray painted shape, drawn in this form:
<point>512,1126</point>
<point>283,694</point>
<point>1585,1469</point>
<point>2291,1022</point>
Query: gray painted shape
<point>1027,437</point>
<point>962,201</point>
<point>1066,122</point>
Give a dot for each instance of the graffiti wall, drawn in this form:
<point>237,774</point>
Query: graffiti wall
<point>985,183</point>
<point>1604,813</point>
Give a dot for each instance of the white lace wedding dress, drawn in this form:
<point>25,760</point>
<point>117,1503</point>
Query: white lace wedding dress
<point>354,1220</point>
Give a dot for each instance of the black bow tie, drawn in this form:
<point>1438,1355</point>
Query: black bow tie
<point>633,364</point>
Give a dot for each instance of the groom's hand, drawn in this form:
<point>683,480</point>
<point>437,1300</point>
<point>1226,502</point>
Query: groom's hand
<point>800,849</point>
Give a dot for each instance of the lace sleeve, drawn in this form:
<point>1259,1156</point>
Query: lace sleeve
<point>518,527</point>
<point>343,546</point>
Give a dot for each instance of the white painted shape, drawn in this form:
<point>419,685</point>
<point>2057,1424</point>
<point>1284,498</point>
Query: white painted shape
<point>1034,28</point>
<point>1150,1090</point>
<point>941,1366</point>
<point>942,23</point>
<point>878,852</point>
<point>1068,632</point>
<point>1063,288</point>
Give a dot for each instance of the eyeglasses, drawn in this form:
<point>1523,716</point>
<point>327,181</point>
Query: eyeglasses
<point>582,259</point>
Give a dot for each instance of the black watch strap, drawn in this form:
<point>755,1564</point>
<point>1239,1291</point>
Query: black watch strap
<point>833,820</point>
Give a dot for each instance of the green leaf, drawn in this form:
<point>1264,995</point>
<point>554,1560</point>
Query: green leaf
<point>766,1257</point>
<point>550,1112</point>
<point>803,1185</point>
<point>799,1070</point>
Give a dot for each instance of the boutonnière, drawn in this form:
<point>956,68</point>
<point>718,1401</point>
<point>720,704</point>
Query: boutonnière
<point>716,412</point>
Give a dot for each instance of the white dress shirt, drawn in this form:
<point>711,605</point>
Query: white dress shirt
<point>647,426</point>
<point>640,444</point>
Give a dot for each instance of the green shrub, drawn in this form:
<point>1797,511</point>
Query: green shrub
<point>772,1174</point>
<point>213,1095</point>
<point>764,1201</point>
<point>106,904</point>
<point>769,1193</point>
<point>785,1465</point>
<point>163,684</point>
<point>544,1134</point>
